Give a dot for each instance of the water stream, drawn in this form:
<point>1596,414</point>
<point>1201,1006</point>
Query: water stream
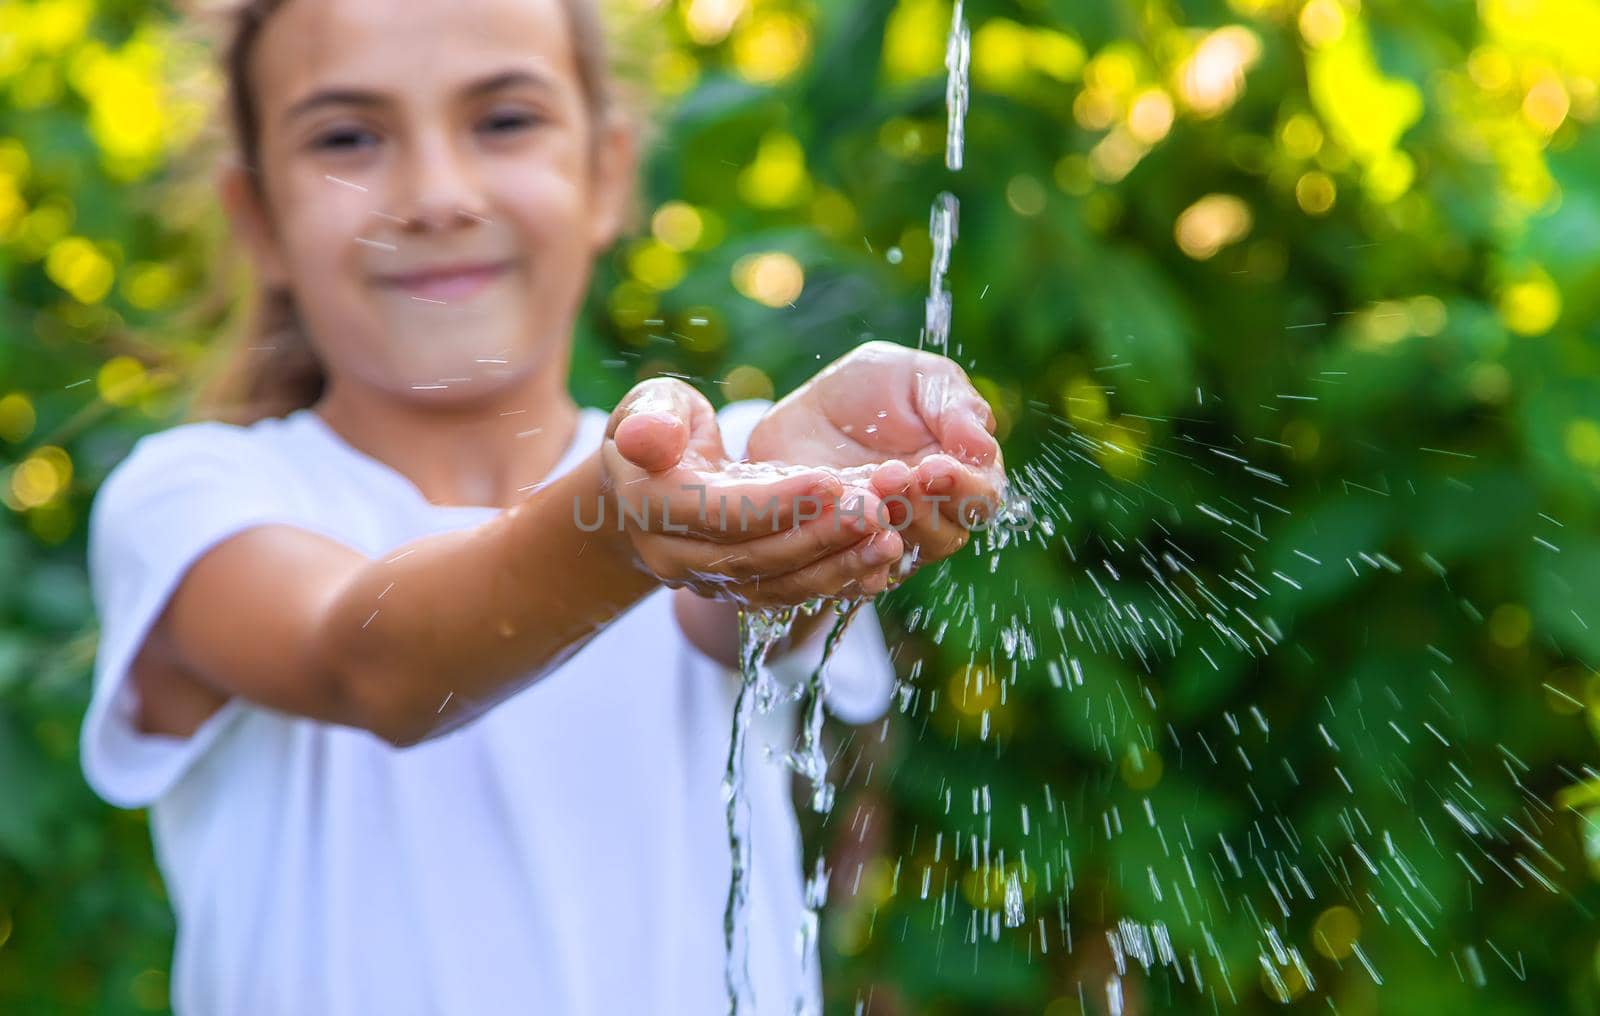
<point>759,631</point>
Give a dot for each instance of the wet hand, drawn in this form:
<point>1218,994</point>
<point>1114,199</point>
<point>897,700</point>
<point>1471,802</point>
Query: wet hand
<point>915,422</point>
<point>761,535</point>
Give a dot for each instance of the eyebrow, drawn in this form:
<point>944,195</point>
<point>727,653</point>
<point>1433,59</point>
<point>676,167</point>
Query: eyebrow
<point>362,97</point>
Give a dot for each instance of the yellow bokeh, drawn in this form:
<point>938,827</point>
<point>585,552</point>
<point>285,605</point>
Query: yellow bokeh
<point>1582,441</point>
<point>700,330</point>
<point>677,225</point>
<point>128,107</point>
<point>773,278</point>
<point>1115,155</point>
<point>1335,931</point>
<point>1383,324</point>
<point>50,26</point>
<point>1085,403</point>
<point>1212,78</point>
<point>1561,31</point>
<point>1315,192</point>
<point>674,72</point>
<point>12,205</point>
<point>77,266</point>
<point>1427,315</point>
<point>1547,103</point>
<point>1025,195</point>
<point>1283,983</point>
<point>973,690</point>
<point>914,39</point>
<point>14,161</point>
<point>708,22</point>
<point>1531,305</point>
<point>1055,54</point>
<point>771,46</point>
<point>40,477</point>
<point>1000,55</point>
<point>1322,22</point>
<point>656,265</point>
<point>777,178</point>
<point>51,523</point>
<point>40,228</point>
<point>150,285</point>
<point>1121,448</point>
<point>747,382</point>
<point>1366,112</point>
<point>1389,176</point>
<point>1006,55</point>
<point>121,380</point>
<point>632,303</point>
<point>1212,223</point>
<point>1150,116</point>
<point>1301,136</point>
<point>1072,174</point>
<point>833,213</point>
<point>17,418</point>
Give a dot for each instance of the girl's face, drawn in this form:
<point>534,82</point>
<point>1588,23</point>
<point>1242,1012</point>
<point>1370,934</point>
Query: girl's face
<point>436,188</point>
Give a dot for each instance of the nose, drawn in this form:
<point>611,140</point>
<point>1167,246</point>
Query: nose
<point>441,190</point>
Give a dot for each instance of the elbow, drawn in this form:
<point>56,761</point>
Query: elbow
<point>375,695</point>
<point>381,703</point>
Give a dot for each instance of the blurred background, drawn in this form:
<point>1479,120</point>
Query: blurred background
<point>1353,245</point>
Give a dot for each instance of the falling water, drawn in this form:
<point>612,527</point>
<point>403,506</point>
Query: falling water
<point>943,220</point>
<point>811,762</point>
<point>760,630</point>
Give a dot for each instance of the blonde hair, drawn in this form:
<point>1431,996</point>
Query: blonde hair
<point>269,368</point>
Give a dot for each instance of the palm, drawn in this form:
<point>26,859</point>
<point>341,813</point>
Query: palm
<point>878,403</point>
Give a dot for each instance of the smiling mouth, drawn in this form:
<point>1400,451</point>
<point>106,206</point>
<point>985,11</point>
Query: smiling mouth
<point>443,285</point>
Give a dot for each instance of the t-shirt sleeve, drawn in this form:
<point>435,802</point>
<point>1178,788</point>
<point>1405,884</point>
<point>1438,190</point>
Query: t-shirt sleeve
<point>860,675</point>
<point>175,496</point>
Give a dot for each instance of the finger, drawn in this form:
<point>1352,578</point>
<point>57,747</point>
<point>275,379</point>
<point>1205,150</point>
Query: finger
<point>861,569</point>
<point>935,537</point>
<point>723,508</point>
<point>775,554</point>
<point>653,441</point>
<point>955,413</point>
<point>653,422</point>
<point>957,489</point>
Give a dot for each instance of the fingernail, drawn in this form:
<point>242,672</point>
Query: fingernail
<point>940,484</point>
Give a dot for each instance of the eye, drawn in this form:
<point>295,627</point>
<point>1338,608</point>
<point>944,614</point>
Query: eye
<point>342,139</point>
<point>508,121</point>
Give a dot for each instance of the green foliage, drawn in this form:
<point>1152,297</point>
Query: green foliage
<point>1355,245</point>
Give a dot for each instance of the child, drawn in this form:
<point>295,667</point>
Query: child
<point>416,735</point>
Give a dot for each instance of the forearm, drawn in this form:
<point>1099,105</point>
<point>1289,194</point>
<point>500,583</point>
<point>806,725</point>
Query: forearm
<point>445,627</point>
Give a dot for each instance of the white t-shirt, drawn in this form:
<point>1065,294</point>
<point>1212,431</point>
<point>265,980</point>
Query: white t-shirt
<point>566,853</point>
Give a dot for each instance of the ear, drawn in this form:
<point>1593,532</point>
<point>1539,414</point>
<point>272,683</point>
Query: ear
<point>251,221</point>
<point>615,176</point>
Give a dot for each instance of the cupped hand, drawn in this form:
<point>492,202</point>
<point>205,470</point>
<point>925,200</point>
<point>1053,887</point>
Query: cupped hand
<point>917,421</point>
<point>761,535</point>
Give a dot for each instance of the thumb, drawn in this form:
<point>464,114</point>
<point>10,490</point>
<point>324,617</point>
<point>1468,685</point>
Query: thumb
<point>652,424</point>
<point>959,418</point>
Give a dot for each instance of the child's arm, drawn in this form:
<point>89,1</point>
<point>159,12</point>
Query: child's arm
<point>443,628</point>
